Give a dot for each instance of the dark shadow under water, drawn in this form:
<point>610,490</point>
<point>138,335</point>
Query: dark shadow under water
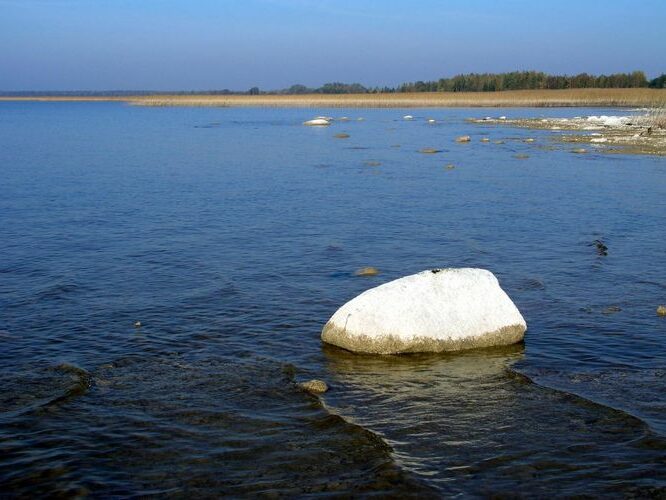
<point>169,426</point>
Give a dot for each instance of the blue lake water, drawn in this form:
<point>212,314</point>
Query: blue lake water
<point>233,235</point>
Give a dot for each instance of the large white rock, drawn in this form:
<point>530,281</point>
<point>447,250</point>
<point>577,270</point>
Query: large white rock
<point>432,311</point>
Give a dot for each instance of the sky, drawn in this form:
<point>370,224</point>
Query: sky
<point>272,44</point>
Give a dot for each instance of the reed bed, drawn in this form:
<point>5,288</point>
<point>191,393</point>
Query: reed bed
<point>520,98</point>
<point>645,98</point>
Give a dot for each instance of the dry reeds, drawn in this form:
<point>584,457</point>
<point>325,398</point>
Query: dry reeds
<point>637,97</point>
<point>518,98</point>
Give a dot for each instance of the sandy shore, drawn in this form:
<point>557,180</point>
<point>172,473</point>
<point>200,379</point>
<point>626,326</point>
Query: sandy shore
<point>518,98</point>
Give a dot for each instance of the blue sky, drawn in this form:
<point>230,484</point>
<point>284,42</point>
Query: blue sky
<point>214,44</point>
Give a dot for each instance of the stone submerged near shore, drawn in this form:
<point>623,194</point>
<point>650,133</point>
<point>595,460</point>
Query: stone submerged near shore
<point>433,311</point>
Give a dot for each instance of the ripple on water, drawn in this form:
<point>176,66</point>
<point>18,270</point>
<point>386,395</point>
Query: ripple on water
<point>173,426</point>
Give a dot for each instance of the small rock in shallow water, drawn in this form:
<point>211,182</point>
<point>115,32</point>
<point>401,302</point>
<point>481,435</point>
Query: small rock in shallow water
<point>579,150</point>
<point>611,310</point>
<point>317,122</point>
<point>372,163</point>
<point>601,248</point>
<point>137,324</point>
<point>450,167</point>
<point>521,157</point>
<point>430,150</point>
<point>529,140</point>
<point>463,138</point>
<point>661,311</point>
<point>367,271</point>
<point>341,136</point>
<point>314,386</point>
<point>485,139</point>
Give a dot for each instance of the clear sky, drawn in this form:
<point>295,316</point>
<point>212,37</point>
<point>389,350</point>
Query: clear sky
<point>237,44</point>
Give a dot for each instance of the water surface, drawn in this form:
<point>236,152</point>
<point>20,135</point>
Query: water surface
<point>232,235</point>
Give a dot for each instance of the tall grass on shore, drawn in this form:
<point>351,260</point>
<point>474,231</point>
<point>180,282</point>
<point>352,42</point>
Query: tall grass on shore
<point>656,117</point>
<point>634,97</point>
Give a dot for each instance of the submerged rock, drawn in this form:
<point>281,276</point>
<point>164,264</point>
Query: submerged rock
<point>342,136</point>
<point>367,271</point>
<point>601,247</point>
<point>432,311</point>
<point>429,151</point>
<point>485,139</point>
<point>314,386</point>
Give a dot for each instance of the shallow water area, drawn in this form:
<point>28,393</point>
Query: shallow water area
<point>232,235</point>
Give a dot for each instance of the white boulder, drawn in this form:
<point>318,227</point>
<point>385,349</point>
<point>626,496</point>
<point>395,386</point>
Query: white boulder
<point>317,122</point>
<point>432,311</point>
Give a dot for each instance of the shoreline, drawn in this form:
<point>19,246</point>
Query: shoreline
<point>642,97</point>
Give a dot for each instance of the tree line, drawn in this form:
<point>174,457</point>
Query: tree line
<point>491,82</point>
<point>470,82</point>
<point>529,80</point>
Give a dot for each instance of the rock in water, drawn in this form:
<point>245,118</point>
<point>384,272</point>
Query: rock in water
<point>367,271</point>
<point>314,386</point>
<point>432,311</point>
<point>317,122</point>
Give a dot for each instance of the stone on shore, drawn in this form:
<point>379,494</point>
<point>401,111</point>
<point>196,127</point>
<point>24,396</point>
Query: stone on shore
<point>432,311</point>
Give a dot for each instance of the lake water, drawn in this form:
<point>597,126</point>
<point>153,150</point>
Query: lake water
<point>233,235</point>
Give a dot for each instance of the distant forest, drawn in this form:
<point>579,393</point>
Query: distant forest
<point>492,82</point>
<point>471,82</point>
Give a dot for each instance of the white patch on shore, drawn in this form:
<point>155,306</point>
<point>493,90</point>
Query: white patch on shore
<point>610,121</point>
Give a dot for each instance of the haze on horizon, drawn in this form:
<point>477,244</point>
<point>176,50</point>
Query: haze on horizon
<point>272,44</point>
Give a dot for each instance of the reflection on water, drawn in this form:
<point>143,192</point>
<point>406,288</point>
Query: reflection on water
<point>470,424</point>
